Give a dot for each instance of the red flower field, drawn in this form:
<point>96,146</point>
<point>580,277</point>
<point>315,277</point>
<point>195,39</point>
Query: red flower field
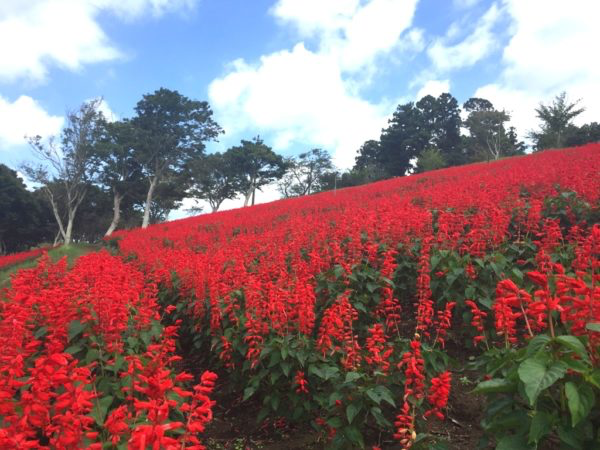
<point>351,311</point>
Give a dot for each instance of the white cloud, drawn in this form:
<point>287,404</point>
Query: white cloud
<point>476,46</point>
<point>312,97</point>
<point>25,117</point>
<point>65,33</point>
<point>351,32</point>
<point>434,88</point>
<point>299,96</point>
<point>549,52</point>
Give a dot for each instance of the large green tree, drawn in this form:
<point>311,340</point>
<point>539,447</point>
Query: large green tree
<point>120,171</point>
<point>556,123</point>
<point>415,127</point>
<point>256,165</point>
<point>214,179</point>
<point>173,130</point>
<point>439,127</point>
<point>69,167</point>
<point>24,221</point>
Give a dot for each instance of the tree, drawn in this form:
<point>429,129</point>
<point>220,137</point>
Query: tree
<point>119,167</point>
<point>306,173</point>
<point>400,142</point>
<point>413,128</point>
<point>439,125</point>
<point>172,132</point>
<point>368,154</point>
<point>256,165</point>
<point>430,159</point>
<point>514,146</point>
<point>214,179</point>
<point>70,166</point>
<point>488,137</point>
<point>487,134</point>
<point>590,132</point>
<point>556,126</point>
<point>23,222</point>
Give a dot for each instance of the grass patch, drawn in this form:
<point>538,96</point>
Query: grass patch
<point>72,252</point>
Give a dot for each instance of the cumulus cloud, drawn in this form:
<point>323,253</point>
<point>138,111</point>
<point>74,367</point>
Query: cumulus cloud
<point>549,52</point>
<point>312,97</point>
<point>37,34</point>
<point>299,96</point>
<point>476,46</point>
<point>25,117</point>
<point>434,88</point>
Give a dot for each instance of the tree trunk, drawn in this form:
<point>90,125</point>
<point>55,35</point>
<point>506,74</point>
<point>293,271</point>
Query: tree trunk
<point>116,214</point>
<point>253,195</point>
<point>247,196</point>
<point>69,230</point>
<point>61,228</point>
<point>146,220</point>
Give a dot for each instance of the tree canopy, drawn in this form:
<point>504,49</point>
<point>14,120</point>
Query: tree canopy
<point>173,130</point>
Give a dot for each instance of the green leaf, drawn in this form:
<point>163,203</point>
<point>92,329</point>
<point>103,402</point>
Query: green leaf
<point>74,349</point>
<point>494,385</point>
<point>580,401</point>
<point>40,332</point>
<point>537,376</point>
<point>537,344</point>
<point>372,287</point>
<point>284,353</point>
<point>385,395</point>
<point>513,443</point>
<point>569,437</point>
<point>374,395</point>
<point>263,413</point>
<point>354,436</point>
<point>334,422</point>
<point>316,370</point>
<point>541,425</point>
<point>574,344</point>
<point>517,273</point>
<point>351,412</point>
<point>352,376</point>
<point>574,402</point>
<point>100,409</point>
<point>275,402</point>
<point>379,417</point>
<point>286,367</point>
<point>330,372</point>
<point>593,326</point>
<point>75,329</point>
<point>496,269</point>
<point>338,271</point>
<point>249,392</point>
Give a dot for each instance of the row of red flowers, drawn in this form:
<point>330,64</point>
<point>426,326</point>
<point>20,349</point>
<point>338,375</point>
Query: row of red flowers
<point>85,361</point>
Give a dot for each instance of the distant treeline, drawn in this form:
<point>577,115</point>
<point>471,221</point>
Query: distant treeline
<point>101,175</point>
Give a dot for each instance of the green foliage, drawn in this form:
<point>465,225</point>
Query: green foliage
<point>256,165</point>
<point>171,131</point>
<point>214,179</point>
<point>25,220</point>
<point>556,123</point>
<point>542,392</point>
<point>430,159</point>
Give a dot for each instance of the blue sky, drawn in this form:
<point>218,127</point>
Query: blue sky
<point>301,73</point>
